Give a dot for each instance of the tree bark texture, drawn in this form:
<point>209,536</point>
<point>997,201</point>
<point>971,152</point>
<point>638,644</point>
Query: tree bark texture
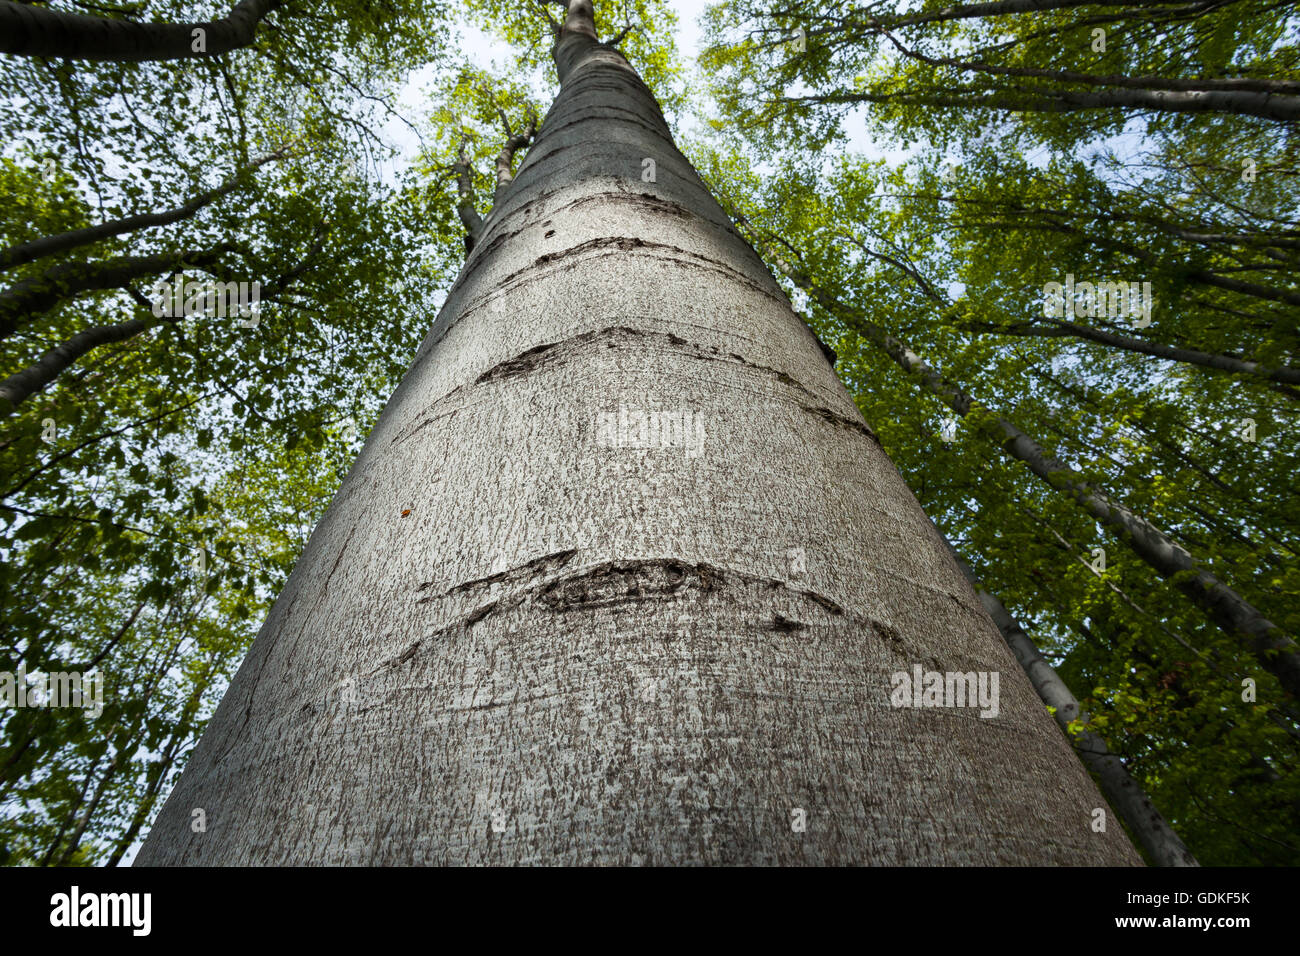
<point>515,637</point>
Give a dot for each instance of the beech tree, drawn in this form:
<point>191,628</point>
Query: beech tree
<point>621,559</point>
<point>621,575</point>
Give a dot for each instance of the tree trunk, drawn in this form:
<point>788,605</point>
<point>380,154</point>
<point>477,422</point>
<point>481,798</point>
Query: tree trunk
<point>1125,794</point>
<point>1276,650</point>
<point>1266,105</point>
<point>26,382</point>
<point>65,241</point>
<point>516,638</point>
<point>1220,363</point>
<point>25,300</point>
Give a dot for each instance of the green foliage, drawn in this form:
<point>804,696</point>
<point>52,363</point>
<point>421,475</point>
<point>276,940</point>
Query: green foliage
<point>949,251</point>
<point>528,26</point>
<point>155,496</point>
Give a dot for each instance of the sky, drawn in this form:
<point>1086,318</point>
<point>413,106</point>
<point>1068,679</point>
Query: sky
<point>483,50</point>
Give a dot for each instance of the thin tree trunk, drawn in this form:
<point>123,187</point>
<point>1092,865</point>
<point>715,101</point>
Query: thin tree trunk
<point>26,382</point>
<point>70,818</point>
<point>1266,105</point>
<point>968,11</point>
<point>162,766</point>
<point>1274,648</point>
<point>506,158</point>
<point>120,757</point>
<point>1220,363</point>
<point>1243,95</point>
<point>1125,794</point>
<point>21,385</point>
<point>469,216</point>
<point>35,31</point>
<point>1201,276</point>
<point>566,649</point>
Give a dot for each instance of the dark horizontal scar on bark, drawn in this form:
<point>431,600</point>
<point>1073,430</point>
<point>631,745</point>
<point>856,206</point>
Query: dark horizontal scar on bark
<point>606,195</point>
<point>619,582</point>
<point>630,120</point>
<point>479,613</point>
<point>613,245</point>
<point>524,362</point>
<point>458,625</point>
<point>523,572</point>
<point>402,658</point>
<point>538,356</point>
<point>557,559</point>
<point>617,245</point>
<point>887,631</point>
<point>492,705</point>
<point>826,415</point>
<point>598,109</point>
<point>534,358</point>
<point>594,94</point>
<point>607,584</point>
<point>426,422</point>
<point>482,249</point>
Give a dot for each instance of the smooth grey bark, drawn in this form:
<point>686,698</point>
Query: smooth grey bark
<point>1236,616</point>
<point>35,31</point>
<point>514,639</point>
<point>1125,794</point>
<point>469,216</point>
<point>505,162</point>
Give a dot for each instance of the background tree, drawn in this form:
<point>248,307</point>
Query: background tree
<point>936,266</point>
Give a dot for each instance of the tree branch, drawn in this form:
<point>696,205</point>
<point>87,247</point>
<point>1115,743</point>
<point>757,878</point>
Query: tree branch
<point>63,242</point>
<point>28,30</point>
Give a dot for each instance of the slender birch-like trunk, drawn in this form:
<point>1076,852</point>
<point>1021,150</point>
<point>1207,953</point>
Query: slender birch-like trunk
<point>1275,649</point>
<point>622,576</point>
<point>1125,794</point>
